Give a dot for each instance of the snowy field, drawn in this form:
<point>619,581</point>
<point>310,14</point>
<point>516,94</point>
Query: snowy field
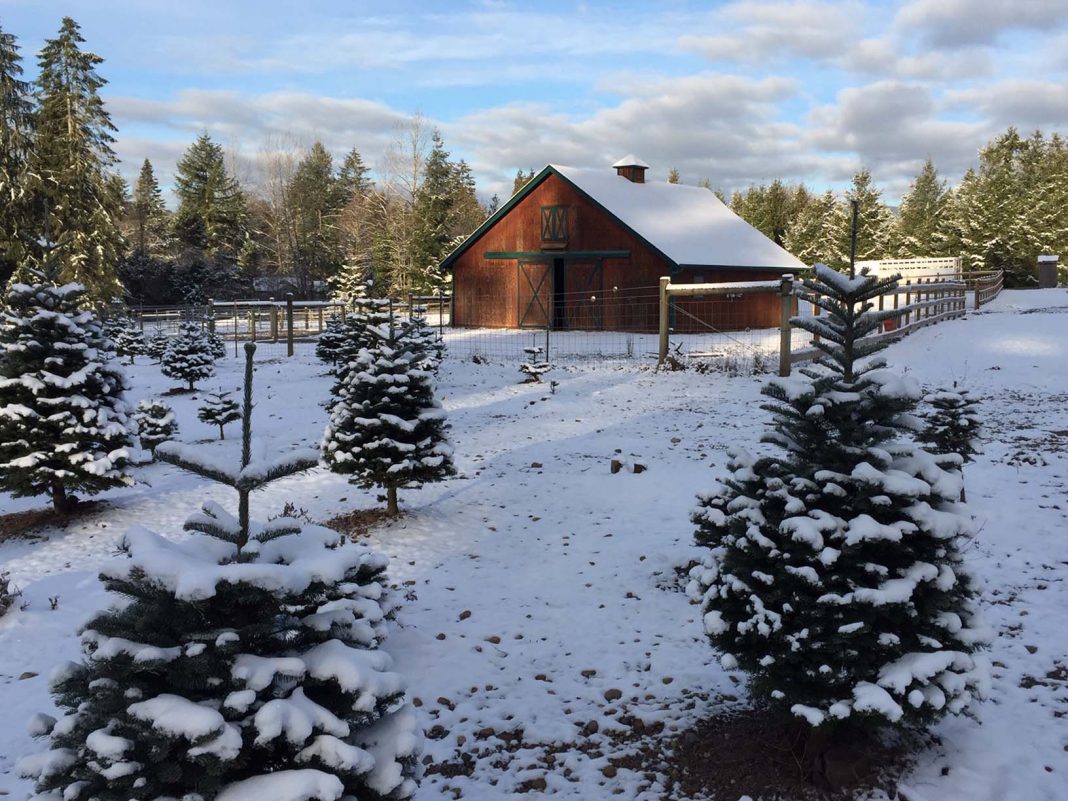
<point>545,631</point>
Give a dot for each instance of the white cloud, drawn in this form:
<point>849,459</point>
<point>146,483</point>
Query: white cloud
<point>957,23</point>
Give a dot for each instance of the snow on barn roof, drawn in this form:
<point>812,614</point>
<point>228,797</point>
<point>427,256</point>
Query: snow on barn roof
<point>688,224</point>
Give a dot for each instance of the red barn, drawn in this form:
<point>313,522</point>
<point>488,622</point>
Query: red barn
<point>585,249</point>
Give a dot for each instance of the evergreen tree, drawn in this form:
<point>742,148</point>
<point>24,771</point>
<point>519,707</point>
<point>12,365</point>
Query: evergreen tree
<point>211,206</point>
<point>808,237</point>
<point>64,423</point>
<point>834,574</point>
<point>330,342</point>
<point>156,345</point>
<point>433,208</point>
<point>521,180</point>
<point>873,223</point>
<point>149,213</point>
<point>317,199</point>
<point>156,423</point>
<point>920,229</point>
<point>16,131</point>
<point>189,356</point>
<point>673,176</point>
<point>951,425</point>
<point>352,178</point>
<point>241,661</point>
<point>73,194</point>
<point>219,409</point>
<point>382,437</point>
<point>128,339</point>
<point>8,593</point>
<point>349,284</point>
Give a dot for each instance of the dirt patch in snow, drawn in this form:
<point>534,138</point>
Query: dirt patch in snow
<point>28,523</point>
<point>764,754</point>
<point>359,521</point>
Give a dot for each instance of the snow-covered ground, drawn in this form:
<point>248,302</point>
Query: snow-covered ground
<point>545,628</point>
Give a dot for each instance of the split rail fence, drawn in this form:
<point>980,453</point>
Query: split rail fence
<point>711,327</point>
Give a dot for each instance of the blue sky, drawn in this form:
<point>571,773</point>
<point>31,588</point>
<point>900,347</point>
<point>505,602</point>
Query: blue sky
<point>734,92</point>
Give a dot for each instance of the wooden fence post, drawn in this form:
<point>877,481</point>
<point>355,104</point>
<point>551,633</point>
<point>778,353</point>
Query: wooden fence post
<point>289,323</point>
<point>274,321</point>
<point>665,282</point>
<point>252,324</point>
<point>235,329</point>
<point>786,292</point>
<point>320,319</point>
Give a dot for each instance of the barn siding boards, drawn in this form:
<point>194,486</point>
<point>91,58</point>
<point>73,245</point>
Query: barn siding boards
<point>506,275</point>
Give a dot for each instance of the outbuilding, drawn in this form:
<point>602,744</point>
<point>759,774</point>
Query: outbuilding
<point>584,249</point>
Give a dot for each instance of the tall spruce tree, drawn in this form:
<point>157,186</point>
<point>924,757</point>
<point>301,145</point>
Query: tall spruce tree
<point>64,420</point>
<point>382,437</point>
<point>16,131</point>
<point>70,163</point>
<point>834,575</point>
<point>873,223</point>
<point>148,212</point>
<point>239,661</point>
<point>808,237</point>
<point>920,228</point>
<point>317,199</point>
<point>211,212</point>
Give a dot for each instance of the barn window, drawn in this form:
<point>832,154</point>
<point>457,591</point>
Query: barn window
<point>554,224</point>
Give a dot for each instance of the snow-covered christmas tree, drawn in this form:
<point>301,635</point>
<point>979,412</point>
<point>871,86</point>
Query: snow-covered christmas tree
<point>129,340</point>
<point>239,662</point>
<point>834,574</point>
<point>951,425</point>
<point>156,345</point>
<point>219,409</point>
<point>64,420</point>
<point>386,428</point>
<point>331,340</point>
<point>156,423</point>
<point>190,355</point>
<point>422,337</point>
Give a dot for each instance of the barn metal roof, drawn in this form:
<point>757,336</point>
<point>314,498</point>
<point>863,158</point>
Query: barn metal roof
<point>688,225</point>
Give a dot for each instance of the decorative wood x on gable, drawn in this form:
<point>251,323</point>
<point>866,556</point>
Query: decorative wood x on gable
<point>554,229</point>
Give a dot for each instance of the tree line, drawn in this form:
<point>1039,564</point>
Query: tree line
<point>323,225</point>
<point>1002,215</point>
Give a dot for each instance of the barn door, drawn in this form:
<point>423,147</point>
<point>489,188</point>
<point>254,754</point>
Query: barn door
<point>535,293</point>
<point>584,300</point>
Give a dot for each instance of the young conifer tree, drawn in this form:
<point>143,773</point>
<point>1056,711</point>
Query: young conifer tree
<point>241,661</point>
<point>834,575</point>
<point>331,340</point>
<point>155,423</point>
<point>64,420</point>
<point>951,425</point>
<point>386,428</point>
<point>190,355</point>
<point>129,341</point>
<point>219,409</point>
<point>156,345</point>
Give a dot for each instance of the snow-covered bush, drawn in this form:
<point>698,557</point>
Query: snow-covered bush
<point>386,429</point>
<point>834,573</point>
<point>8,593</point>
<point>241,661</point>
<point>535,366</point>
<point>190,356</point>
<point>156,423</point>
<point>219,409</point>
<point>64,420</point>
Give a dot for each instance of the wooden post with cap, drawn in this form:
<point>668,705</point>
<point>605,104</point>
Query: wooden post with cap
<point>665,309</point>
<point>786,293</point>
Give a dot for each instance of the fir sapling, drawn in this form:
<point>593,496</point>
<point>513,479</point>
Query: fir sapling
<point>834,574</point>
<point>129,340</point>
<point>219,409</point>
<point>64,421</point>
<point>535,367</point>
<point>190,355</point>
<point>328,346</point>
<point>156,345</point>
<point>240,661</point>
<point>386,428</point>
<point>951,425</point>
<point>156,423</point>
